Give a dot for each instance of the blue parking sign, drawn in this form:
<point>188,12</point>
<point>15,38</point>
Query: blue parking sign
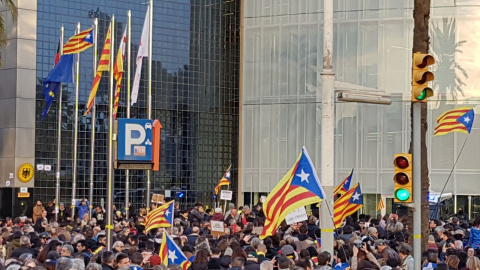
<point>134,140</point>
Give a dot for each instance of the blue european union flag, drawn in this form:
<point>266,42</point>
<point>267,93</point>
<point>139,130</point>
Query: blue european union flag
<point>62,72</point>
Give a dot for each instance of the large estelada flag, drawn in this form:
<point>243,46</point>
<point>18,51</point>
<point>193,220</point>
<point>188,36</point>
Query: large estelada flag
<point>160,217</point>
<point>299,187</point>
<point>456,120</point>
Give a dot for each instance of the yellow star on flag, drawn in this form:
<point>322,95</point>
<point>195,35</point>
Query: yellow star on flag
<point>51,94</point>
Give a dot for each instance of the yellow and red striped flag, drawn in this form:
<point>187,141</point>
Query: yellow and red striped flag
<point>380,204</point>
<point>118,71</point>
<point>299,187</point>
<point>348,204</point>
<point>103,65</point>
<point>456,120</point>
<point>160,217</point>
<point>79,42</point>
<point>343,186</point>
<point>225,181</point>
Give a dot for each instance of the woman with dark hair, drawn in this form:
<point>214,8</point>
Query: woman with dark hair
<point>239,252</point>
<point>54,245</point>
<point>201,260</point>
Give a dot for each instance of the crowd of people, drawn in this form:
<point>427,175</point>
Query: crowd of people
<point>49,240</point>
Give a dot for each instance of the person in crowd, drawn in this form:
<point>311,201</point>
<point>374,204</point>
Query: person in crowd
<point>37,211</point>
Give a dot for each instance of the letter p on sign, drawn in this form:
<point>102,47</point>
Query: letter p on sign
<point>134,135</point>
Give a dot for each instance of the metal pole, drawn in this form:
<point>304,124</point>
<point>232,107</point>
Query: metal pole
<point>149,106</point>
<point>92,145</point>
<point>327,127</point>
<point>109,226</point>
<point>75,134</point>
<point>127,172</point>
<point>59,139</point>
<point>417,185</point>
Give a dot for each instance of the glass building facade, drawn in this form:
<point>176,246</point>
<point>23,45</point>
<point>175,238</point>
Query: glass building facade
<point>282,61</point>
<point>195,77</point>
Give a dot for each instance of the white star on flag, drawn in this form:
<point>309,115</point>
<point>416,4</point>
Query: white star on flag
<point>304,176</point>
<point>88,36</point>
<point>167,213</point>
<point>356,196</point>
<point>227,175</point>
<point>466,119</point>
<point>171,255</point>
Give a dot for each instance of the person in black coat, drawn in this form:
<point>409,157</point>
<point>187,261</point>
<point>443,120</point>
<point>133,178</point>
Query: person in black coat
<point>214,262</point>
<point>24,247</point>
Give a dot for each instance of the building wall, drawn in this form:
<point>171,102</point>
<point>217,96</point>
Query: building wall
<point>282,60</point>
<point>195,97</point>
<point>17,94</point>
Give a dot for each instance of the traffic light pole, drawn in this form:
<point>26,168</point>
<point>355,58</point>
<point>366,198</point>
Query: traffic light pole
<point>417,184</point>
<point>327,121</point>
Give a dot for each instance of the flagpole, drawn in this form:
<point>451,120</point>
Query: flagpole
<point>93,120</point>
<point>127,172</point>
<point>109,226</point>
<point>149,106</point>
<point>59,139</point>
<point>225,201</point>
<point>75,136</point>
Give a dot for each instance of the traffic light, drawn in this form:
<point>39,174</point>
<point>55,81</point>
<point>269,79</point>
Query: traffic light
<point>421,76</point>
<point>402,178</point>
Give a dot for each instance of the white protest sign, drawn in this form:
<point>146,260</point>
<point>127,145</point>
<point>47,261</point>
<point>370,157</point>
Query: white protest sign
<point>226,195</point>
<point>217,226</point>
<point>296,216</point>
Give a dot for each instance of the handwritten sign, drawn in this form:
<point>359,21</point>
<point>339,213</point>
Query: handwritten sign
<point>296,216</point>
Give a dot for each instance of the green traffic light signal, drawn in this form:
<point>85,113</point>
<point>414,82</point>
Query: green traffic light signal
<point>422,95</point>
<point>402,194</point>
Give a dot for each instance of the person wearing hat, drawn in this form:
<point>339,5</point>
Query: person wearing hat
<point>387,252</point>
<point>289,252</point>
<point>405,252</point>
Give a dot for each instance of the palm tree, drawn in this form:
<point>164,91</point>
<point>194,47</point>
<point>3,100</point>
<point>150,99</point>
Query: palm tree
<point>449,75</point>
<point>13,10</point>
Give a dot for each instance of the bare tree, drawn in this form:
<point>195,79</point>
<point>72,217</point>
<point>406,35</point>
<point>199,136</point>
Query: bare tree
<point>3,35</point>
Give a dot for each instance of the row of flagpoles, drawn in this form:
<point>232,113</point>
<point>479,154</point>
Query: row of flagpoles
<point>63,73</point>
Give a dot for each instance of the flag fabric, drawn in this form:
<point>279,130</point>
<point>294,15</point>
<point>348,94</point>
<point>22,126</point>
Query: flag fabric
<point>299,187</point>
<point>225,181</point>
<point>57,55</point>
<point>456,120</point>
<point>103,65</point>
<point>79,42</point>
<point>118,71</point>
<point>380,204</point>
<point>142,52</point>
<point>343,186</point>
<point>160,217</point>
<point>348,204</point>
<point>170,253</point>
<point>62,72</point>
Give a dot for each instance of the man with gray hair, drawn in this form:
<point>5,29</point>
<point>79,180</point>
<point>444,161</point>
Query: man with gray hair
<point>64,264</point>
<point>266,265</point>
<point>24,247</point>
<point>78,264</point>
<point>230,207</point>
<point>67,251</point>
